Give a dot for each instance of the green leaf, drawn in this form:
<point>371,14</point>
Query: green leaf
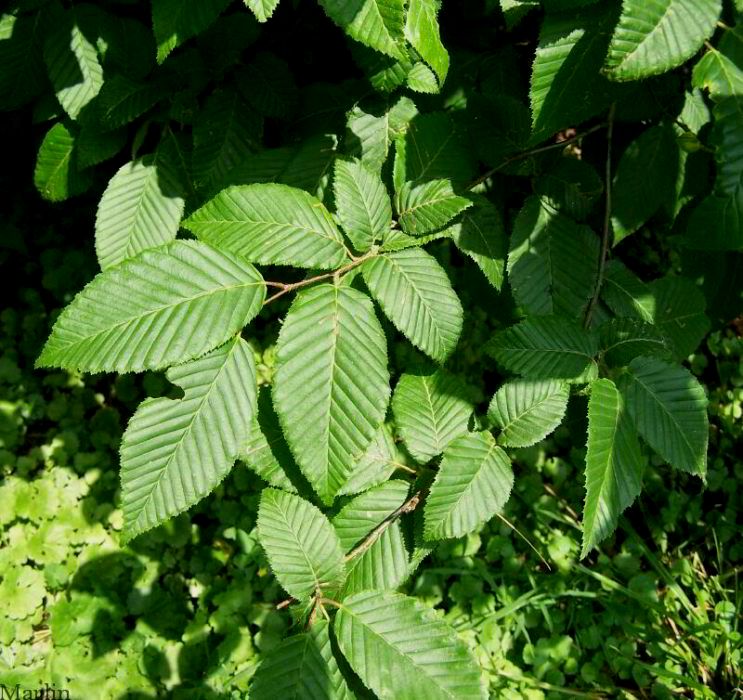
<point>415,293</point>
<point>373,135</point>
<point>268,86</point>
<point>567,87</point>
<point>572,186</point>
<point>22,70</point>
<point>270,224</point>
<point>546,348</point>
<point>480,234</point>
<point>337,688</point>
<point>430,411</point>
<point>527,411</point>
<point>422,79</point>
<point>679,314</point>
<point>384,566</point>
<point>375,465</point>
<point>433,148</point>
<point>719,74</point>
<point>141,208</point>
<point>717,224</point>
<point>224,135</point>
<point>669,409</point>
<point>72,62</point>
<point>331,387</point>
<point>653,157</point>
<point>614,463</point>
<point>378,24</point>
<point>429,206</point>
<point>553,261</point>
<point>362,203</point>
<point>266,451</point>
<point>623,339</point>
<point>94,146</point>
<point>57,175</point>
<point>175,21</point>
<point>262,9</point>
<point>422,31</point>
<point>728,139</point>
<point>174,453</point>
<point>121,100</point>
<point>301,545</point>
<point>627,295</point>
<point>167,305</point>
<point>297,670</point>
<point>402,649</point>
<point>472,484</point>
<point>365,512</point>
<point>653,37</point>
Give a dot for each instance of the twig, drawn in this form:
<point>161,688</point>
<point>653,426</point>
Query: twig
<point>534,152</point>
<point>408,507</point>
<point>285,603</point>
<point>606,232</point>
<point>286,287</point>
<point>525,538</point>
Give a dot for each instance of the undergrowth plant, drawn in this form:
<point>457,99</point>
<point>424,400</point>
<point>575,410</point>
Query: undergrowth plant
<point>253,166</point>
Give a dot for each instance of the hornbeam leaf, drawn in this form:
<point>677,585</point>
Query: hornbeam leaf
<point>679,313</point>
<point>271,224</point>
<point>657,35</point>
<point>402,649</point>
<point>361,515</point>
<point>614,463</point>
<point>58,175</point>
<point>375,465</point>
<point>331,386</point>
<point>226,132</point>
<point>432,147</point>
<point>624,339</point>
<point>72,62</point>
<point>301,545</point>
<point>422,31</point>
<point>337,688</point>
<point>140,208</point>
<point>174,21</point>
<point>653,157</point>
<point>384,566</point>
<point>627,295</point>
<point>379,24</point>
<point>527,411</point>
<point>175,452</point>
<point>169,304</point>
<point>363,205</point>
<point>552,262</point>
<point>566,83</point>
<point>415,293</point>
<point>266,451</point>
<point>719,74</point>
<point>295,670</point>
<point>669,410</point>
<point>546,348</point>
<point>262,9</point>
<point>429,206</point>
<point>430,411</point>
<point>472,484</point>
<point>480,234</point>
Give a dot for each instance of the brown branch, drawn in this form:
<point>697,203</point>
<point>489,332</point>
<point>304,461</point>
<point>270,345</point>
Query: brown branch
<point>606,232</point>
<point>534,152</point>
<point>408,507</point>
<point>286,287</point>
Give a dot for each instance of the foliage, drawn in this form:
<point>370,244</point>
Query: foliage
<point>250,176</point>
